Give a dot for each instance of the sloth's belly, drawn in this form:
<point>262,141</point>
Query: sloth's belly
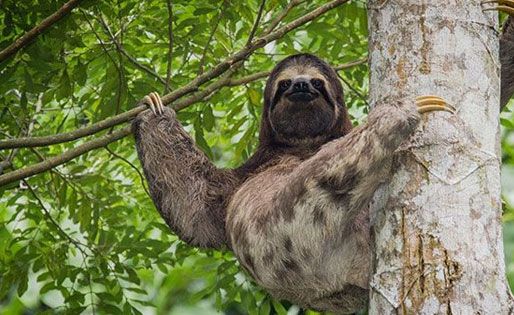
<point>303,249</point>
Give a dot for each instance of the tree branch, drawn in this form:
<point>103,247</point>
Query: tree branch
<point>34,32</point>
<point>141,177</point>
<point>64,157</point>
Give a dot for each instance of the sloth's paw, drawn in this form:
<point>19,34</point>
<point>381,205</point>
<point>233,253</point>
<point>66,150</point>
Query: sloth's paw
<point>154,102</point>
<point>506,6</point>
<point>430,103</point>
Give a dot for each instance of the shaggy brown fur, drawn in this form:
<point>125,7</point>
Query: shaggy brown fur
<point>507,61</point>
<point>295,214</point>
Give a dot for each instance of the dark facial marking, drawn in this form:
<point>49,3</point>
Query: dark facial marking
<point>284,85</point>
<point>317,83</point>
<point>285,123</point>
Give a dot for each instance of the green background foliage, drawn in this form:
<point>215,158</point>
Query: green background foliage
<point>85,237</point>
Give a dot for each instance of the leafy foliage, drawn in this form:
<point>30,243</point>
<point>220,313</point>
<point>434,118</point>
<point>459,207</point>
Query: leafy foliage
<point>85,237</point>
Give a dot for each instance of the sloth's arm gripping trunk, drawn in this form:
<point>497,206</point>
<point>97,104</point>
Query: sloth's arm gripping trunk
<point>352,167</point>
<point>189,192</point>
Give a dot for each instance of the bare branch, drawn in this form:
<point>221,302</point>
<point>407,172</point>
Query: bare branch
<point>49,217</point>
<point>34,32</point>
<point>210,89</point>
<point>170,46</point>
<point>68,136</point>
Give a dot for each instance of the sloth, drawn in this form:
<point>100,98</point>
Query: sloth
<point>294,214</point>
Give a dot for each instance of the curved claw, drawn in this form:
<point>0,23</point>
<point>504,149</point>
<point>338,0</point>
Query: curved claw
<point>153,100</point>
<point>506,6</point>
<point>430,103</point>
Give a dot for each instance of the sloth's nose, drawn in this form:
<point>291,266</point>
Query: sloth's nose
<point>301,86</point>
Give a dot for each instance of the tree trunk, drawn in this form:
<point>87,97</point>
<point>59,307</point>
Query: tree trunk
<point>437,224</point>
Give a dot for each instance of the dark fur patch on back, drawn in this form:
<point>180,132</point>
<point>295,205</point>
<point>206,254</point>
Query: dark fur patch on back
<point>339,187</point>
<point>288,244</point>
<point>286,200</point>
<point>268,257</point>
<point>291,265</point>
<point>248,260</point>
<point>348,295</point>
<point>318,215</point>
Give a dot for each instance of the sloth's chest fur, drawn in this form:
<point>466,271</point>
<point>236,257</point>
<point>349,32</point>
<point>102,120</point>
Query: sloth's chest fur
<point>296,240</point>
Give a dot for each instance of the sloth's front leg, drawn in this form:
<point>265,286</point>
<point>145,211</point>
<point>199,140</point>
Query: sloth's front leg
<point>506,47</point>
<point>351,168</point>
<point>188,190</point>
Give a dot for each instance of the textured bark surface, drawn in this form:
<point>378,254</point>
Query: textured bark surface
<point>437,224</point>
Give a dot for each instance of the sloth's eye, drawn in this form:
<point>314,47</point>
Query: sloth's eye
<point>284,84</point>
<point>317,83</point>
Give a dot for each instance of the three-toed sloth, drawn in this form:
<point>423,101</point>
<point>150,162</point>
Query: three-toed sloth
<point>295,214</point>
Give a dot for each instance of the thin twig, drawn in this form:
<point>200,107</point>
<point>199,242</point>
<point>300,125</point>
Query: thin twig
<point>256,23</point>
<point>141,177</point>
<point>102,44</point>
<point>7,163</point>
<point>119,67</point>
<point>65,235</point>
<point>34,32</point>
<point>211,88</point>
<point>211,35</point>
<point>170,46</point>
<point>354,90</point>
<point>122,50</point>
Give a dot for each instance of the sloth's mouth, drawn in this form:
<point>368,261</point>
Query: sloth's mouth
<point>302,96</point>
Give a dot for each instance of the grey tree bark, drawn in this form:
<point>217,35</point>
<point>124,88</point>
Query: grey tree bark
<point>437,224</point>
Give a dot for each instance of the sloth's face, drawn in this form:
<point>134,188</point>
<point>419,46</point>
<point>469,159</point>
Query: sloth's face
<point>302,105</point>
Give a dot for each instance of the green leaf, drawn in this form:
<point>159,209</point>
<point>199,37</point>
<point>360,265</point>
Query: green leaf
<point>22,284</point>
<point>265,308</point>
<point>279,308</point>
